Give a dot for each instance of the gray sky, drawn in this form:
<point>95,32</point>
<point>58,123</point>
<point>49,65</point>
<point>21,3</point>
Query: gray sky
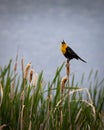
<point>38,27</point>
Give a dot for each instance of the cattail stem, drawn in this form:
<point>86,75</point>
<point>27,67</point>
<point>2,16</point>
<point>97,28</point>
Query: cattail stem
<point>30,123</point>
<point>22,110</point>
<point>68,79</point>
<point>63,82</point>
<point>68,72</point>
<point>21,118</point>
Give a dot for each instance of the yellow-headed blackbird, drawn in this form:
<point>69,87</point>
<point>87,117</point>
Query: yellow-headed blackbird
<point>68,52</point>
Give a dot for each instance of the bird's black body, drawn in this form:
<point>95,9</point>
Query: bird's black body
<point>69,53</point>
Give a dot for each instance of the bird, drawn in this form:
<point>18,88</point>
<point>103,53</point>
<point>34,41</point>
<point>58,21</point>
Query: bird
<point>68,52</point>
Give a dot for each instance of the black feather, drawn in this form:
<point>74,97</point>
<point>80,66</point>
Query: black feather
<point>70,54</point>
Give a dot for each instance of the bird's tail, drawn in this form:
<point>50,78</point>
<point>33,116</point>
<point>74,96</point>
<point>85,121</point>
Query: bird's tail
<point>82,60</point>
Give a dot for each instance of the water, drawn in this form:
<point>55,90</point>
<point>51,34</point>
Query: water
<point>36,29</point>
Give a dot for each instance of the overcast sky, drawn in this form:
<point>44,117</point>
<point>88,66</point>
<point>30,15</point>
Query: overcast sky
<point>36,28</point>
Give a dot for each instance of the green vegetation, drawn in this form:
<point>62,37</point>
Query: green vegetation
<point>50,106</point>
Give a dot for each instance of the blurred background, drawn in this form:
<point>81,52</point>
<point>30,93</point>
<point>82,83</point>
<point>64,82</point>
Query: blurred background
<point>35,29</point>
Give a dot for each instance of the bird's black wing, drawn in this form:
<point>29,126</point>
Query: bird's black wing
<point>71,53</point>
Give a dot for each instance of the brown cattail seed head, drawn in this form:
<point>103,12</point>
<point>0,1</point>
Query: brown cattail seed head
<point>34,79</point>
<point>26,71</point>
<point>63,81</point>
<point>31,75</point>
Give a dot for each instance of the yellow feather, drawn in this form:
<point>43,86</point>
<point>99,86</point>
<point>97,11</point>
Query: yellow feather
<point>63,48</point>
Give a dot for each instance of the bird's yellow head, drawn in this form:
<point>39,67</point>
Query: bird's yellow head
<point>63,47</point>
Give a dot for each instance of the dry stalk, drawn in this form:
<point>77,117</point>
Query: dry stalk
<point>13,82</point>
<point>30,123</point>
<point>15,66</point>
<point>12,93</point>
<point>1,94</point>
<point>49,100</point>
<point>12,90</point>
<point>3,126</point>
<point>21,118</point>
<point>22,97</point>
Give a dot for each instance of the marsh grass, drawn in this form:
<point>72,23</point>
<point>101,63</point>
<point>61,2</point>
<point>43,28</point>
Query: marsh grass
<point>46,106</point>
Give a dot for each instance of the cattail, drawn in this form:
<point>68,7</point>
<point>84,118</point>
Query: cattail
<point>34,79</point>
<point>31,75</point>
<point>26,71</point>
<point>67,68</point>
<point>63,81</point>
<point>1,94</point>
<point>67,74</point>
